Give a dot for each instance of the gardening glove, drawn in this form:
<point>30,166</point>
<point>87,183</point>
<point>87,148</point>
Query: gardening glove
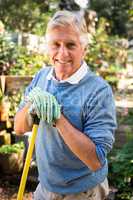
<point>44,105</point>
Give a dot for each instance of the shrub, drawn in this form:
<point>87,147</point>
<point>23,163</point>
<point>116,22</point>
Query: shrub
<point>8,54</point>
<point>17,60</point>
<point>121,171</point>
<point>28,63</point>
<point>106,53</point>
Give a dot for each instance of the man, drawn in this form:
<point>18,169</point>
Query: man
<point>77,117</point>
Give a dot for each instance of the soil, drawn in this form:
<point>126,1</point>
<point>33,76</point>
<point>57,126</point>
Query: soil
<point>9,185</point>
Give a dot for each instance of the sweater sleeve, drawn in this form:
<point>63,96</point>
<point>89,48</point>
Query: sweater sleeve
<point>100,121</point>
<point>33,83</point>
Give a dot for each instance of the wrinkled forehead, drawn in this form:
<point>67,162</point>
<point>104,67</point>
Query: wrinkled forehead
<point>62,25</point>
<point>63,33</point>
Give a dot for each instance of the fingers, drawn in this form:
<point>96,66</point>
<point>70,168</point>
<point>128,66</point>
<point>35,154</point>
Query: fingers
<point>57,109</point>
<point>43,108</point>
<point>49,109</point>
<point>44,105</point>
<point>34,94</point>
<point>33,111</point>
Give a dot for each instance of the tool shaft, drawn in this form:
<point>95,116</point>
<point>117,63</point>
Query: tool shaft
<point>27,163</point>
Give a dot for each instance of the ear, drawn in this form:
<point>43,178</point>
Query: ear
<point>84,51</point>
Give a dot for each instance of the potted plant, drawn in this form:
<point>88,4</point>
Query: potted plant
<point>11,158</point>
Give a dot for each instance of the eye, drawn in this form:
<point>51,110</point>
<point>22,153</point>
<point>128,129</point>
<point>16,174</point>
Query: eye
<point>71,45</point>
<point>54,45</point>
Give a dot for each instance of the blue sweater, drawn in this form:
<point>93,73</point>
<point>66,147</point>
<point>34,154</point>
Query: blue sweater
<point>89,107</point>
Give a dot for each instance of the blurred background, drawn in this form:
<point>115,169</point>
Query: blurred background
<point>23,53</point>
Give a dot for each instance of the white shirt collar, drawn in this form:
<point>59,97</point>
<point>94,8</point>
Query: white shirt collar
<point>74,78</point>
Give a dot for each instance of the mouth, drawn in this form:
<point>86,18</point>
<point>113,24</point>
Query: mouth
<point>63,62</point>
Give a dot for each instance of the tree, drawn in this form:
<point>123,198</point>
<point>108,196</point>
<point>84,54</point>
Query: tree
<point>116,11</point>
<point>130,22</point>
<point>25,15</point>
<point>68,5</point>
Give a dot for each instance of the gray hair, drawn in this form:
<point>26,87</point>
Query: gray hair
<point>66,18</point>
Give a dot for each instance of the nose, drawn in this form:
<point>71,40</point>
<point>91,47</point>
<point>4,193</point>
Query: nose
<point>62,51</point>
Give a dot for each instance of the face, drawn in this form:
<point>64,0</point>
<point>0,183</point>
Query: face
<point>65,51</point>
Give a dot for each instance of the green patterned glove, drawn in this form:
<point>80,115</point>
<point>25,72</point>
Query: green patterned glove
<point>44,105</point>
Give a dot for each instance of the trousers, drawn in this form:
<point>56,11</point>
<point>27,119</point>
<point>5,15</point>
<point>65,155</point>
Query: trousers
<point>99,192</point>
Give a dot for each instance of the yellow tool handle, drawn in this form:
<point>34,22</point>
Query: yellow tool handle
<point>27,163</point>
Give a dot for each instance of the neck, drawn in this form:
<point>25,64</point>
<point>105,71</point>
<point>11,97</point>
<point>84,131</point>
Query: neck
<point>60,76</point>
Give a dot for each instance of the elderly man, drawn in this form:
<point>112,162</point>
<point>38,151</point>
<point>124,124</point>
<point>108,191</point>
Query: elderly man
<point>77,117</point>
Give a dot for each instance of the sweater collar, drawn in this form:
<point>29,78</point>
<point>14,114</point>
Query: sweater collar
<point>74,78</point>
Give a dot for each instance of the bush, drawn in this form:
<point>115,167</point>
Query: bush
<point>28,63</point>
<point>13,148</point>
<point>8,54</point>
<point>121,171</point>
<point>17,60</point>
<point>106,53</point>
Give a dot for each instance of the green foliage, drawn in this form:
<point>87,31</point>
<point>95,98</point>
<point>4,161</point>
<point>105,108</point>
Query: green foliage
<point>16,60</point>
<point>116,11</point>
<point>25,15</point>
<point>8,54</point>
<point>121,171</point>
<point>14,148</point>
<point>106,54</point>
<point>14,100</point>
<point>104,49</point>
<point>40,27</point>
<point>126,119</point>
<point>68,5</point>
<point>28,63</point>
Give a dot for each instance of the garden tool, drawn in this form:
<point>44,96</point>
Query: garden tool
<point>28,158</point>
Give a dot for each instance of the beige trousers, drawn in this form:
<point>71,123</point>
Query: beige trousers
<point>99,192</point>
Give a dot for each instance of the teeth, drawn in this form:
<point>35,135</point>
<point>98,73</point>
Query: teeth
<point>63,62</point>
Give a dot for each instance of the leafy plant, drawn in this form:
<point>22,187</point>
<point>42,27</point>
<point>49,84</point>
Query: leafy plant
<point>28,63</point>
<point>121,167</point>
<point>30,16</point>
<point>106,54</point>
<point>17,60</point>
<point>14,100</point>
<point>14,148</point>
<point>126,119</point>
<point>104,50</point>
<point>117,12</point>
<point>8,54</point>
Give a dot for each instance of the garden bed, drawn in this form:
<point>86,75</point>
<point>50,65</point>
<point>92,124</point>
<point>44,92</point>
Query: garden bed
<point>9,188</point>
<point>9,184</point>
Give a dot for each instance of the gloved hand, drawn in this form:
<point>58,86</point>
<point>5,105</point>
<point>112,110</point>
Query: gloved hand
<point>44,105</point>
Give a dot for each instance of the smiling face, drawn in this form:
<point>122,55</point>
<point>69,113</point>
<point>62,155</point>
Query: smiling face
<point>65,51</point>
